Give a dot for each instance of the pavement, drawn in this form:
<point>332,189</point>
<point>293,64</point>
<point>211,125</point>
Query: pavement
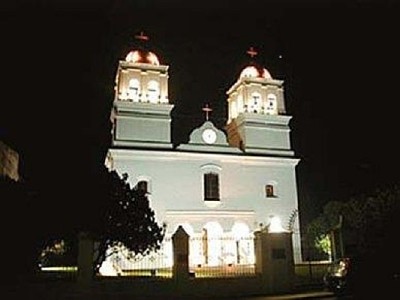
<point>46,293</point>
<point>317,292</point>
<point>301,295</point>
<point>50,296</point>
<point>295,295</point>
<point>303,292</point>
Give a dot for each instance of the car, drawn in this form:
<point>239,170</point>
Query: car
<point>367,277</point>
<point>338,277</point>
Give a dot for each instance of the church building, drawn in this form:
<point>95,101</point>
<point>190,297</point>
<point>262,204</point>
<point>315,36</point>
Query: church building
<point>225,182</point>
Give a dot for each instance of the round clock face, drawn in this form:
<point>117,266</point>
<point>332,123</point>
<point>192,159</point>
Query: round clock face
<point>209,136</point>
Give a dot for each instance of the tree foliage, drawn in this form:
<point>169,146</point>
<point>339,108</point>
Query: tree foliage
<point>367,220</point>
<point>127,219</point>
<point>317,232</point>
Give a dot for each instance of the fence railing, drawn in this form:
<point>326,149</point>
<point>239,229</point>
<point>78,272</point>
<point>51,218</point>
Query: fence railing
<point>221,256</point>
<point>182,257</point>
<point>208,257</point>
<point>122,262</point>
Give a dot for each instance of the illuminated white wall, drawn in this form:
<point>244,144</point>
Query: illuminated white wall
<point>176,180</point>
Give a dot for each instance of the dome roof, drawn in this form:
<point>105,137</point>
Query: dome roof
<point>255,72</point>
<point>142,56</point>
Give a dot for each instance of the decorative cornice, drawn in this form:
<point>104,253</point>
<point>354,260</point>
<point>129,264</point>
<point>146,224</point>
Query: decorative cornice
<point>173,155</point>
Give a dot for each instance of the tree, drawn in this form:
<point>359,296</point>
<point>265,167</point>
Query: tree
<point>320,232</point>
<point>367,220</point>
<point>127,219</point>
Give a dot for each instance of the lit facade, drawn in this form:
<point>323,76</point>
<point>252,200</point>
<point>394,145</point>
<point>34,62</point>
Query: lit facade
<point>9,162</point>
<point>217,185</point>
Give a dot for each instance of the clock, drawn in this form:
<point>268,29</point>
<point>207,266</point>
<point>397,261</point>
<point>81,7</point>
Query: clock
<point>209,136</point>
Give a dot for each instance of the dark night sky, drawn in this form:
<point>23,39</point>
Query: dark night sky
<point>339,60</point>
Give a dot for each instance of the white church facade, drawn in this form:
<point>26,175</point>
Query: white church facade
<point>222,183</point>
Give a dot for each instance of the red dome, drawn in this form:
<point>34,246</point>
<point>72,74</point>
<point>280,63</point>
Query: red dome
<point>144,57</point>
<point>255,71</point>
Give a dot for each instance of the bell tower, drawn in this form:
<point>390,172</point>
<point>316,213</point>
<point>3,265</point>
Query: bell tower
<point>256,112</point>
<point>141,111</point>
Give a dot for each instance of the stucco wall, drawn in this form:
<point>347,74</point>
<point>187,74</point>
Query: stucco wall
<point>176,186</point>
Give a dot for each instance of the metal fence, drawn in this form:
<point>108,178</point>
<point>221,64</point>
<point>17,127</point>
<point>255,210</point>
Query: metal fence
<point>208,257</point>
<point>122,262</point>
<point>221,256</point>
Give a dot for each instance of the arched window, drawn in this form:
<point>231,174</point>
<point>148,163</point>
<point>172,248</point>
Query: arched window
<point>134,90</point>
<point>153,91</point>
<point>211,187</point>
<point>271,107</point>
<point>269,191</point>
<point>255,102</point>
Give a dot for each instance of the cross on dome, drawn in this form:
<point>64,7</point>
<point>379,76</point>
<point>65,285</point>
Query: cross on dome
<point>141,36</point>
<point>207,111</point>
<point>142,54</point>
<point>252,52</point>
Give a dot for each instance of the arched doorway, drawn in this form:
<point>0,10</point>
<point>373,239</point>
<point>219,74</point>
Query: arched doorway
<point>242,244</point>
<point>212,243</point>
